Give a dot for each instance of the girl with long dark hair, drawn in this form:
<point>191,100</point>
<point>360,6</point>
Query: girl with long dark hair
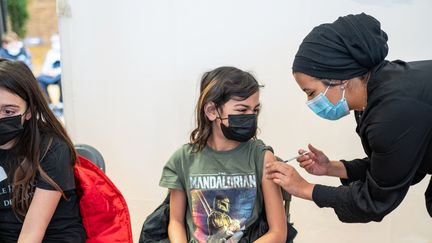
<point>38,201</point>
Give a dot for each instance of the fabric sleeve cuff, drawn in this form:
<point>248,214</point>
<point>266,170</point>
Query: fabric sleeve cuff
<point>170,185</point>
<point>347,165</point>
<point>324,196</point>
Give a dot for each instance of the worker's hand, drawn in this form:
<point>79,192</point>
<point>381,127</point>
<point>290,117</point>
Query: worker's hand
<point>289,179</point>
<point>315,162</point>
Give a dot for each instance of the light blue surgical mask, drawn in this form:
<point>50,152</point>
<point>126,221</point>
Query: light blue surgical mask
<point>322,106</point>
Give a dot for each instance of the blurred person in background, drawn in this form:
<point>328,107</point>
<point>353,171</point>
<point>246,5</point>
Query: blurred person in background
<point>13,49</point>
<point>51,69</point>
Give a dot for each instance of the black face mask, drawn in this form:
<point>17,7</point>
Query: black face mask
<point>240,128</point>
<point>10,128</point>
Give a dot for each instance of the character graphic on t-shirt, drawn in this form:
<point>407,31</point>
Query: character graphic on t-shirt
<point>219,221</point>
<point>221,205</point>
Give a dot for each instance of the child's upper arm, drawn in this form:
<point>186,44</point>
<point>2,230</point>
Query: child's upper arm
<point>176,227</point>
<point>273,201</point>
<point>177,205</point>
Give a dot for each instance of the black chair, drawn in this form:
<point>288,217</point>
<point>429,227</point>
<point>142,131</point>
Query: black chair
<point>91,154</point>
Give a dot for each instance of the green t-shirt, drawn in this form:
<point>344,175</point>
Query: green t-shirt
<point>223,188</point>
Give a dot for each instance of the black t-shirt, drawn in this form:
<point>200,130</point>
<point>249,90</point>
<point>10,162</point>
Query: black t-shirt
<point>66,225</point>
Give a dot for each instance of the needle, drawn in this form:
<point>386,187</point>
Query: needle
<point>296,157</point>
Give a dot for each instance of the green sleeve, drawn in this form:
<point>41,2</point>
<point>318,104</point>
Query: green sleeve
<point>261,149</point>
<point>171,174</point>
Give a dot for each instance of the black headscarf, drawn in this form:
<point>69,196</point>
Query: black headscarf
<point>344,49</point>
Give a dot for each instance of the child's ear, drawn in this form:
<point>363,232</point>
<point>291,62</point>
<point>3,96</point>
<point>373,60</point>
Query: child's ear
<point>27,116</point>
<point>210,111</point>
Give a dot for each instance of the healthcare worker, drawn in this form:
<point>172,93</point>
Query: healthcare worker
<point>341,67</point>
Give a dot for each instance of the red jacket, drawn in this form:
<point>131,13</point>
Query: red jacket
<point>104,211</point>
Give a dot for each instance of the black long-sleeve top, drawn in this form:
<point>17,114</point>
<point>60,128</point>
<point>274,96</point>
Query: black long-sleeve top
<point>396,133</point>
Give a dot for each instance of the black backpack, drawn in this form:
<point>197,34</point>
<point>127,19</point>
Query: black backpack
<point>155,227</point>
